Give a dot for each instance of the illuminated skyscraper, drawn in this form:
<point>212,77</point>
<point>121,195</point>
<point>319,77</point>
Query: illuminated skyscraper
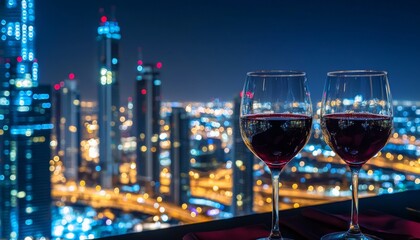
<point>67,126</point>
<point>89,169</point>
<point>25,128</point>
<point>108,102</point>
<point>147,116</point>
<point>243,161</point>
<point>180,156</point>
<point>128,171</point>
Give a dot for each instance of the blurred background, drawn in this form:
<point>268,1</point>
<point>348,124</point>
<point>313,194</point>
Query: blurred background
<point>123,116</point>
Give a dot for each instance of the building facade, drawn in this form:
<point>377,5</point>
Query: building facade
<point>108,101</point>
<point>25,128</point>
<point>180,156</point>
<point>67,131</point>
<point>90,168</point>
<point>147,117</point>
<point>243,161</point>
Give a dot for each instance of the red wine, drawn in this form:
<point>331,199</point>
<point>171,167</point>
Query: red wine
<point>356,137</point>
<point>275,138</point>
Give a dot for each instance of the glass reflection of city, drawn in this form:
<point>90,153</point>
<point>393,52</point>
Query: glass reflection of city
<point>76,169</point>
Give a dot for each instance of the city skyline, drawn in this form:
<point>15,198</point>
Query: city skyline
<point>219,42</point>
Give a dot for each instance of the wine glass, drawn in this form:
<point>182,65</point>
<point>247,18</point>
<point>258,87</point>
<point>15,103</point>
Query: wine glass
<point>275,123</point>
<point>356,121</point>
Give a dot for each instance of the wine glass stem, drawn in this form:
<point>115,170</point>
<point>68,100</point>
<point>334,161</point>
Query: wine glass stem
<point>275,231</point>
<point>354,223</point>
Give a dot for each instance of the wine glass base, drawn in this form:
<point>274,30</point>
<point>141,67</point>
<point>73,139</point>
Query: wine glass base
<point>347,236</point>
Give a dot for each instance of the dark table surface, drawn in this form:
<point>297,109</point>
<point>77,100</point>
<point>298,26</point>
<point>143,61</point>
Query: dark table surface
<point>393,204</point>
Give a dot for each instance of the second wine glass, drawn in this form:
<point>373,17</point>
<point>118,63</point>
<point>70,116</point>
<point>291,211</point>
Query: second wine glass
<point>356,121</point>
<point>276,120</point>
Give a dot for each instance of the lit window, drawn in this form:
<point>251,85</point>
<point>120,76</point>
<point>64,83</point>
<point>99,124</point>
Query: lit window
<point>73,128</point>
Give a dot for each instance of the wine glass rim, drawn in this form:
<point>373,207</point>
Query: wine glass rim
<point>276,73</point>
<point>357,73</point>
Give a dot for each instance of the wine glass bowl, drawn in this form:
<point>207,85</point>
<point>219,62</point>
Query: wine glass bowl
<point>276,138</point>
<point>356,137</point>
<point>275,122</point>
<point>356,122</point>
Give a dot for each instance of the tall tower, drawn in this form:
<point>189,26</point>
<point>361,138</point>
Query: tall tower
<point>108,102</point>
<point>25,128</point>
<point>89,168</point>
<point>67,125</point>
<point>180,156</point>
<point>148,103</point>
<point>243,161</point>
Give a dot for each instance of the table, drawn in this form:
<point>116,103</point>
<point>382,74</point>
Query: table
<point>394,204</point>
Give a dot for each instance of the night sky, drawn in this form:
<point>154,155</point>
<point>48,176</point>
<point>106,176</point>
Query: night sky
<point>207,47</point>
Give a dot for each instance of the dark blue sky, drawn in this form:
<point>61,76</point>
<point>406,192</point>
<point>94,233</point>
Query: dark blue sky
<point>208,46</point>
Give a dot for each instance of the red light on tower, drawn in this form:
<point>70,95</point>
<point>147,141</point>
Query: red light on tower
<point>71,76</point>
<point>139,62</point>
<point>247,94</point>
<point>143,91</point>
<point>159,65</point>
<point>57,86</point>
<point>104,19</point>
<point>19,59</point>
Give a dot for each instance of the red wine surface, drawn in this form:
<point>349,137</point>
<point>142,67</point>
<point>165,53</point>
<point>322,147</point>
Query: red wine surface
<point>356,137</point>
<point>275,138</point>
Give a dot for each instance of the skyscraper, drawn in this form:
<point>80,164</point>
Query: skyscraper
<point>243,161</point>
<point>147,117</point>
<point>25,128</point>
<point>128,170</point>
<point>108,102</point>
<point>67,129</point>
<point>180,156</point>
<point>89,169</point>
